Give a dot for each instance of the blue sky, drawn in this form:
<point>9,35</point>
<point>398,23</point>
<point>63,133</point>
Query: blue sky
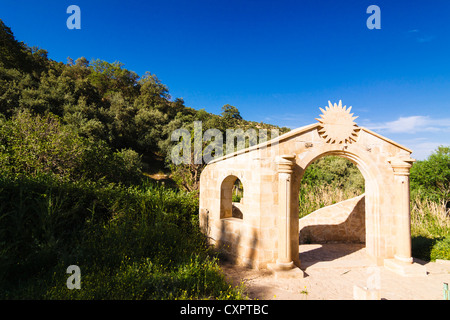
<point>276,61</point>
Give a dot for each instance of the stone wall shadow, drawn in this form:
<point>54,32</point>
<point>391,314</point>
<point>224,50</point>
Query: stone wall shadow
<point>349,231</point>
<point>230,246</point>
<point>334,234</point>
<point>236,212</point>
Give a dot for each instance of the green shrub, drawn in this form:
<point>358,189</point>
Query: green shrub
<point>39,144</point>
<point>430,249</point>
<point>441,249</point>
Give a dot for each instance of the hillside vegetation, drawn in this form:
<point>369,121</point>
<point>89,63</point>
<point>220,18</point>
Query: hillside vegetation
<point>78,142</point>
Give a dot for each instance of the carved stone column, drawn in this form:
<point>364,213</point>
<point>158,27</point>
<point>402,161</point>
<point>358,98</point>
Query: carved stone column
<point>285,164</point>
<point>284,266</point>
<point>403,261</point>
<point>403,217</point>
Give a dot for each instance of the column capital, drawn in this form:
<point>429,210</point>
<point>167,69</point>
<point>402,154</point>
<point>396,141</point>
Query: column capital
<point>401,165</point>
<point>285,163</point>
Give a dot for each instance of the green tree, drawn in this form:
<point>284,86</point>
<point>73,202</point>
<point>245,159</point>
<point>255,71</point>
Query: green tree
<point>33,144</point>
<point>230,112</point>
<point>112,77</point>
<point>13,54</point>
<point>51,93</point>
<point>431,177</point>
<point>334,171</point>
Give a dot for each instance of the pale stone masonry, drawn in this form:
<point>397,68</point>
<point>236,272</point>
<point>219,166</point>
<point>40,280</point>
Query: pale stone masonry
<point>267,235</point>
<point>340,222</point>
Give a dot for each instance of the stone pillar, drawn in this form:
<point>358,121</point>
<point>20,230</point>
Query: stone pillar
<point>285,169</point>
<point>403,217</point>
<point>403,261</point>
<point>284,266</point>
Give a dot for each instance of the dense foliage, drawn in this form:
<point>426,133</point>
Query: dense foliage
<point>431,177</point>
<point>34,145</point>
<point>76,141</point>
<point>430,205</point>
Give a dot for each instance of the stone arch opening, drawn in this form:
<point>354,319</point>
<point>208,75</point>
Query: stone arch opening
<point>331,202</point>
<point>231,198</point>
<point>371,219</point>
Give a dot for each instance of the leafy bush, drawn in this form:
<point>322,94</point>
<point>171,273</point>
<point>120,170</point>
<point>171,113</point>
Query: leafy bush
<point>431,248</point>
<point>32,144</point>
<point>40,218</point>
<point>236,198</point>
<point>441,249</point>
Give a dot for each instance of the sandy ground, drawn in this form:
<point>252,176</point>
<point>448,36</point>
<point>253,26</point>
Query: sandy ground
<point>332,270</point>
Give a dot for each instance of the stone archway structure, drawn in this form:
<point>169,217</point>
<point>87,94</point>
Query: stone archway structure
<point>267,236</point>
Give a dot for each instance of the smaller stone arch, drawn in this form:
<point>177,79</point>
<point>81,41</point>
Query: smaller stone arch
<point>228,207</point>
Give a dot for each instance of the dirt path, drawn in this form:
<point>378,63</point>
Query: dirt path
<point>332,270</point>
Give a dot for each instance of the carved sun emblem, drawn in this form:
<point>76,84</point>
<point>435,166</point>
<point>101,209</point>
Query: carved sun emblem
<point>337,124</point>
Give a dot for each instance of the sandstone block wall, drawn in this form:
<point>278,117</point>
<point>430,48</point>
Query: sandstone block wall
<point>341,222</point>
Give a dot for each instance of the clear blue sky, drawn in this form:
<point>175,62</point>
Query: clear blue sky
<point>276,61</point>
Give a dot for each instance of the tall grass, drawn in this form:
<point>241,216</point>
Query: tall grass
<point>140,242</point>
<point>429,218</point>
<point>314,197</point>
<point>430,228</point>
